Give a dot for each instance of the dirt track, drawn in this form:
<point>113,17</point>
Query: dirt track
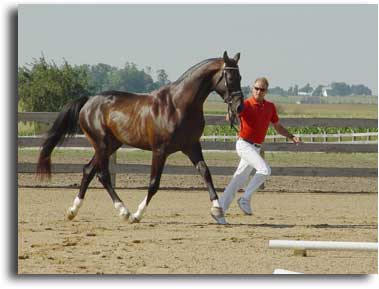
<point>178,236</point>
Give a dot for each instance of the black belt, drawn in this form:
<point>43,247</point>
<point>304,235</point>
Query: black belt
<point>257,145</point>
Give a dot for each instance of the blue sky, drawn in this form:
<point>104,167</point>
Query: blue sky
<point>290,44</point>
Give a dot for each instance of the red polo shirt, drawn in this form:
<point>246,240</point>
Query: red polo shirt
<point>255,119</point>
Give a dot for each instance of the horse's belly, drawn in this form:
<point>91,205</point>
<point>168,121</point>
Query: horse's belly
<point>138,132</point>
<point>128,130</point>
<point>132,138</point>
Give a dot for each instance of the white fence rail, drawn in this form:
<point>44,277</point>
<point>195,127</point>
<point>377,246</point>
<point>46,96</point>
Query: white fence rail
<point>300,247</point>
<point>285,272</point>
<point>356,137</point>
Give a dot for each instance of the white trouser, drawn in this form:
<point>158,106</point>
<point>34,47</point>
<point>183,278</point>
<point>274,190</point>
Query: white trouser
<point>250,158</point>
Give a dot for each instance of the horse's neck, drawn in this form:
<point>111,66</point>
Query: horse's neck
<point>193,93</point>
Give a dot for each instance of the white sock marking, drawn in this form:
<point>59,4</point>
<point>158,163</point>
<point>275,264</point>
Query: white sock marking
<point>141,209</point>
<point>76,205</point>
<point>216,204</point>
<point>121,208</point>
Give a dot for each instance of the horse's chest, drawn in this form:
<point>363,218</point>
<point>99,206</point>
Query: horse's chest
<point>191,129</point>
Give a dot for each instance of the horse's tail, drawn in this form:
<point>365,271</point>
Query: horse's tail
<point>66,124</point>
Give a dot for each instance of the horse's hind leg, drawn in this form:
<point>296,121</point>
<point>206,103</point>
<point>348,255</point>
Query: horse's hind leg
<point>89,172</point>
<point>105,178</point>
<point>159,159</point>
<point>99,163</point>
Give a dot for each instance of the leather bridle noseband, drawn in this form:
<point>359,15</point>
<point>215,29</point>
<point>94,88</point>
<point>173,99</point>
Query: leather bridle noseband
<point>229,95</point>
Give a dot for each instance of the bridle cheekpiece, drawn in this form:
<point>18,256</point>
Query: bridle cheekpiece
<point>229,95</point>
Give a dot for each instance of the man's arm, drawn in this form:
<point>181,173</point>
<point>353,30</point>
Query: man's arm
<point>284,132</point>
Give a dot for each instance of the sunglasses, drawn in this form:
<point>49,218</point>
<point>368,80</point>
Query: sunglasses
<point>260,89</point>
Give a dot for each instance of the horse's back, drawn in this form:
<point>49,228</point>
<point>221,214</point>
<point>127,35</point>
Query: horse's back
<point>122,95</point>
<point>114,99</point>
<point>117,114</point>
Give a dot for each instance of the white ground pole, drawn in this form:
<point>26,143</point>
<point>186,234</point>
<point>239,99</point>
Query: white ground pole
<point>283,271</point>
<point>301,246</point>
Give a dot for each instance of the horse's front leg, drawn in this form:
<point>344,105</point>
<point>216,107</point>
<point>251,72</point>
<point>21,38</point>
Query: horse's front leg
<point>196,156</point>
<point>158,161</point>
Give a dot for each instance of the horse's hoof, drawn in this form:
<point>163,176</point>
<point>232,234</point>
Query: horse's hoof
<point>124,215</point>
<point>218,214</point>
<point>133,219</point>
<point>70,214</point>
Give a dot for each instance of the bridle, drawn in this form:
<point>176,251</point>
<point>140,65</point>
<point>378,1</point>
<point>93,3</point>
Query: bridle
<point>229,95</point>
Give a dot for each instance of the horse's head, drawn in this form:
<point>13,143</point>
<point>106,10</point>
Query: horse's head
<point>228,86</point>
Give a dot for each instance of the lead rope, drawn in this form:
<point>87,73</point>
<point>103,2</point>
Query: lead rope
<point>232,120</point>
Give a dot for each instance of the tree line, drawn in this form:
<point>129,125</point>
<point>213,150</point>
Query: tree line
<point>46,86</point>
<point>333,89</point>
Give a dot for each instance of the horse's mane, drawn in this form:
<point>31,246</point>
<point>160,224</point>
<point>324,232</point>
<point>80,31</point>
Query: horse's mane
<point>114,92</point>
<point>190,70</point>
<point>120,93</point>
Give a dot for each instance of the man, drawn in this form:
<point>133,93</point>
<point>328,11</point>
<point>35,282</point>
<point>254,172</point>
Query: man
<point>255,118</point>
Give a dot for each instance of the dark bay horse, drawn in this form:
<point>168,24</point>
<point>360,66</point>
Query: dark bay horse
<point>165,121</point>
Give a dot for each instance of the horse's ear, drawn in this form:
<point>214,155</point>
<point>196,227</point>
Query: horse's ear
<point>237,57</point>
<point>226,57</point>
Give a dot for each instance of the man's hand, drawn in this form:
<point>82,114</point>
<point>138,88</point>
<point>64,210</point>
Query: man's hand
<point>284,132</point>
<point>227,117</point>
<point>295,140</point>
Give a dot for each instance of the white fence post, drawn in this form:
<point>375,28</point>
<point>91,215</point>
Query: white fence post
<point>368,135</point>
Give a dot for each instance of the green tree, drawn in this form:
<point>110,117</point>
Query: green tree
<point>296,90</point>
<point>246,90</point>
<point>44,86</point>
<point>340,88</point>
<point>277,91</point>
<point>99,77</point>
<point>307,88</point>
<point>318,91</point>
<point>129,78</point>
<point>162,77</point>
<point>360,89</point>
